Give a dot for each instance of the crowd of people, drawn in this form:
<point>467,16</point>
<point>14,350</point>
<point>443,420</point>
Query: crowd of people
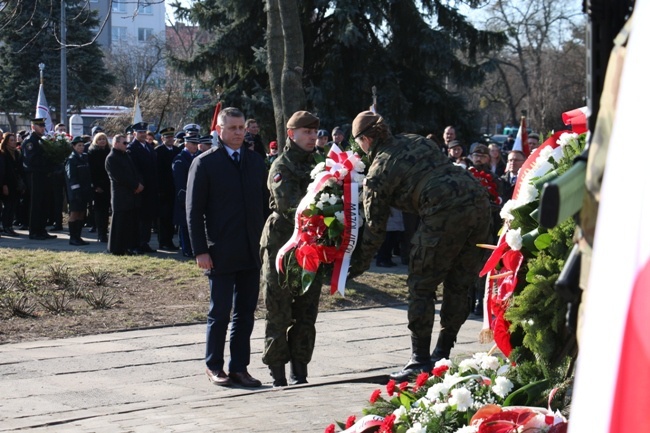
<point>232,203</point>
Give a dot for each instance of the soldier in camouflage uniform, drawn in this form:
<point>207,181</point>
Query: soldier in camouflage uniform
<point>290,319</point>
<point>410,173</point>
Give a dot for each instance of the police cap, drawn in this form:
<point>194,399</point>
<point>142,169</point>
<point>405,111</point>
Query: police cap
<point>140,126</point>
<point>167,131</point>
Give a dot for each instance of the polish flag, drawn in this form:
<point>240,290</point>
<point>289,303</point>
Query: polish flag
<point>612,388</point>
<point>213,126</point>
<point>577,119</point>
<point>521,142</point>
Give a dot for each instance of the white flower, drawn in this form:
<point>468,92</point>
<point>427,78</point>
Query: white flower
<point>359,166</point>
<point>467,364</point>
<point>324,197</point>
<point>340,215</point>
<point>343,172</point>
<point>506,210</point>
<point>399,412</point>
<point>566,138</point>
<point>319,205</point>
<point>436,391</point>
<point>439,408</point>
<point>545,153</point>
<point>490,363</point>
<point>319,167</point>
<point>443,361</point>
<point>502,386</point>
<point>468,429</point>
<point>527,194</point>
<point>461,398</point>
<point>333,199</point>
<point>514,239</point>
<point>417,428</point>
<point>358,177</point>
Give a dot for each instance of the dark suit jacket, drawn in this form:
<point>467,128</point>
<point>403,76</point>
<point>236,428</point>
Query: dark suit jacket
<point>181,170</point>
<point>165,158</point>
<point>124,181</point>
<point>225,208</point>
<point>145,163</point>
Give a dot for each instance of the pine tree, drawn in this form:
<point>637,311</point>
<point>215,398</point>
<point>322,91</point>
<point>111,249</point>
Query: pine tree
<point>30,37</point>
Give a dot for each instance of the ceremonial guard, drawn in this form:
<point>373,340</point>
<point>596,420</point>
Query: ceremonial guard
<point>165,154</point>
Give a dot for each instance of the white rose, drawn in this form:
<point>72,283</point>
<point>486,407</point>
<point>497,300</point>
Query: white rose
<point>514,239</point>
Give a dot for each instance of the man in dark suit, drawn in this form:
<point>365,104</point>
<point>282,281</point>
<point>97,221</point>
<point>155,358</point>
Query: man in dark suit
<point>144,159</point>
<point>165,154</point>
<point>125,194</point>
<point>181,170</point>
<point>225,216</point>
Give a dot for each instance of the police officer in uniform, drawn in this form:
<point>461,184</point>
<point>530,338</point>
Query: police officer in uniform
<point>408,172</point>
<point>180,170</point>
<point>165,153</point>
<point>290,332</point>
<point>37,169</point>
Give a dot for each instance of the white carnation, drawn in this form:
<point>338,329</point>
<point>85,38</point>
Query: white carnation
<point>340,215</point>
<point>436,391</point>
<point>333,199</point>
<point>566,138</point>
<point>324,197</point>
<point>445,362</point>
<point>417,428</point>
<point>506,210</point>
<point>514,239</point>
<point>527,194</point>
<point>461,398</point>
<point>502,386</point>
<point>467,364</point>
<point>319,167</point>
<point>490,363</point>
<point>358,177</point>
<point>545,153</point>
<point>319,205</point>
<point>399,412</point>
<point>359,166</point>
<point>439,408</point>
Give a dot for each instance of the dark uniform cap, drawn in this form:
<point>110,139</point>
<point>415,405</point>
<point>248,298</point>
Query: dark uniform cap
<point>481,149</point>
<point>192,128</point>
<point>96,129</point>
<point>140,126</point>
<point>363,122</point>
<point>39,121</point>
<point>192,138</point>
<point>77,139</point>
<point>323,133</point>
<point>303,119</point>
<point>453,143</point>
<point>206,139</point>
<point>180,135</point>
<point>167,131</point>
<point>128,129</point>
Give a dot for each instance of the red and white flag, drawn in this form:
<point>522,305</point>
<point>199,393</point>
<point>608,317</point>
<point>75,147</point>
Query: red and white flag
<point>612,388</point>
<point>521,142</point>
<point>213,126</point>
<point>43,110</point>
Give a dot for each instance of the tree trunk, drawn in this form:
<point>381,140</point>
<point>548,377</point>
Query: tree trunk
<point>293,94</point>
<point>275,58</point>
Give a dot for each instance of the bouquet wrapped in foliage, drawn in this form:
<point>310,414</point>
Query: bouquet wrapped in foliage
<point>527,260</point>
<point>327,221</point>
<point>56,147</point>
<point>472,396</point>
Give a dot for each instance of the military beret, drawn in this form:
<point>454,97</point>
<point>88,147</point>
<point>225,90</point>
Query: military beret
<point>38,121</point>
<point>167,131</point>
<point>363,122</point>
<point>481,149</point>
<point>140,126</point>
<point>303,119</point>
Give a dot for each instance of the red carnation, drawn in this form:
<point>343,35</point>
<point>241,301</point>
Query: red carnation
<point>390,387</point>
<point>439,371</point>
<point>375,396</point>
<point>350,421</point>
<point>387,425</point>
<point>403,386</point>
<point>421,380</point>
<point>330,429</point>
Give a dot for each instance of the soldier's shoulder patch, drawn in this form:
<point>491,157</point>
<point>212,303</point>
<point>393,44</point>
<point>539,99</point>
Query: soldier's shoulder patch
<point>29,146</point>
<point>277,177</point>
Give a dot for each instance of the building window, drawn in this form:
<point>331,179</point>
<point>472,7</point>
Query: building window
<point>118,6</point>
<point>144,34</point>
<point>145,8</point>
<point>118,34</point>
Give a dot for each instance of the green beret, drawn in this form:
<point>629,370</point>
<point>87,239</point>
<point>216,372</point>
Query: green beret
<point>303,119</point>
<point>363,122</point>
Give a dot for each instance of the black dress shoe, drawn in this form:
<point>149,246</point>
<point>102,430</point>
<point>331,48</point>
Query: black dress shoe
<point>190,255</point>
<point>10,232</point>
<point>47,235</point>
<point>218,377</point>
<point>170,247</point>
<point>39,237</point>
<point>385,264</point>
<point>244,379</point>
<point>146,249</point>
<point>24,227</point>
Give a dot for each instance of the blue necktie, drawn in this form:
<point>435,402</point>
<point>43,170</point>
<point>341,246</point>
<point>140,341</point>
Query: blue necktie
<point>235,157</point>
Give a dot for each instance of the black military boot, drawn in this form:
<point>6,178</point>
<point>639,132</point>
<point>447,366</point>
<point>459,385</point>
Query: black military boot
<point>278,375</point>
<point>419,361</point>
<point>75,233</point>
<point>443,347</point>
<point>298,373</point>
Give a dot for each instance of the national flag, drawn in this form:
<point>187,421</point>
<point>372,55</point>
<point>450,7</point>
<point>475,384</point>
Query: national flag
<point>612,387</point>
<point>521,142</point>
<point>577,119</point>
<point>43,110</point>
<point>137,113</point>
<point>213,127</point>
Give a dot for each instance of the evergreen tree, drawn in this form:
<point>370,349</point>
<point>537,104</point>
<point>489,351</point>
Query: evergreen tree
<point>30,37</point>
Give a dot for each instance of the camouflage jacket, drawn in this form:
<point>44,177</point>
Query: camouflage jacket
<point>410,173</point>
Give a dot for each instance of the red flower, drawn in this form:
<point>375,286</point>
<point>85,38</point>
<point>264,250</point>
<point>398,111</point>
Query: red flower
<point>390,387</point>
<point>327,254</point>
<point>506,421</point>
<point>421,380</point>
<point>350,421</point>
<point>403,386</point>
<point>307,257</point>
<point>375,396</point>
<point>330,429</point>
<point>440,370</point>
<point>387,425</point>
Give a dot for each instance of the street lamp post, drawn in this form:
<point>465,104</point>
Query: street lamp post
<point>64,69</point>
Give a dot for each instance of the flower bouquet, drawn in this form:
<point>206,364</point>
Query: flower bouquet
<point>327,222</point>
<point>487,180</point>
<point>56,147</point>
<point>472,396</point>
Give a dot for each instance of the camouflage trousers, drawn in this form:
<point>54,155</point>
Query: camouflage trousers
<point>290,332</point>
<point>444,251</point>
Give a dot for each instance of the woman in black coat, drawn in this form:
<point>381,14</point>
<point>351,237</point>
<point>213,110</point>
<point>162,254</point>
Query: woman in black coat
<point>80,189</point>
<point>97,153</point>
<point>13,183</point>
